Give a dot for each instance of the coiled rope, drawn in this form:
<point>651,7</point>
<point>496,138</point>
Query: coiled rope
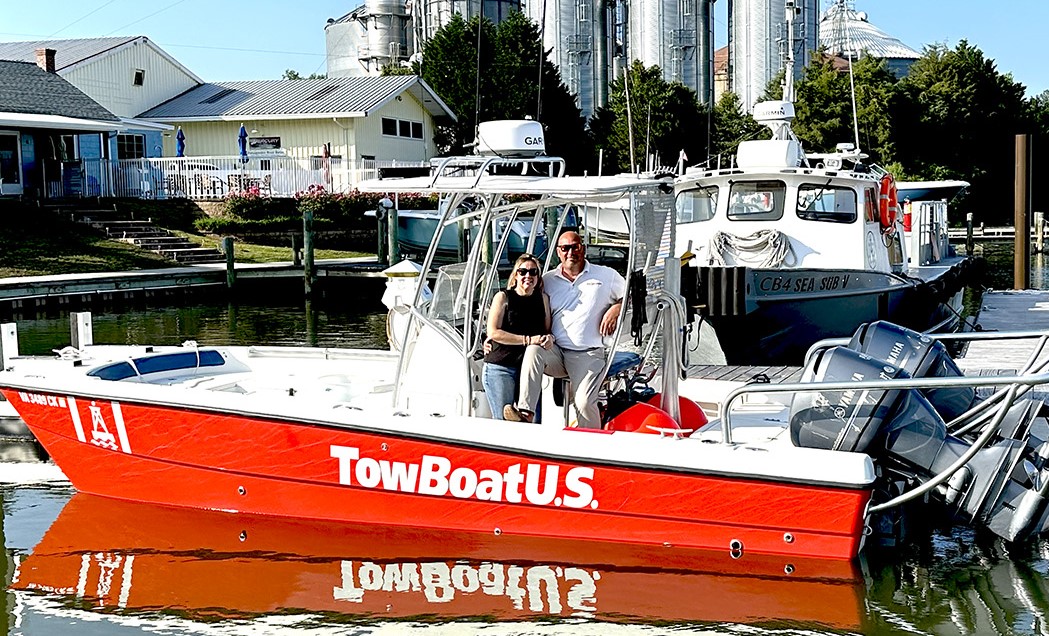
<point>764,248</point>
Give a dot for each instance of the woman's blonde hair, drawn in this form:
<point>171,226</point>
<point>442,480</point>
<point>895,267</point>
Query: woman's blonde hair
<point>524,258</point>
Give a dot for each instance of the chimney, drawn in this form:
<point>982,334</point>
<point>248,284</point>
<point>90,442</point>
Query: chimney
<point>45,59</point>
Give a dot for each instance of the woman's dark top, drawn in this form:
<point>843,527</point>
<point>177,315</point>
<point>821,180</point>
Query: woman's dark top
<point>524,316</point>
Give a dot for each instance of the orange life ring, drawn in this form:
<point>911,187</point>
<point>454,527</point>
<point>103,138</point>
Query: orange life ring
<point>888,207</point>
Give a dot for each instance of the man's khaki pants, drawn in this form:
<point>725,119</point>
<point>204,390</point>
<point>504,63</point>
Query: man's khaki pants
<point>583,368</point>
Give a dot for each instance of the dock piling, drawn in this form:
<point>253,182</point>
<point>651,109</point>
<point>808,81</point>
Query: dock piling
<point>8,343</point>
<point>969,234</point>
<point>231,267</point>
<point>307,248</point>
<point>1022,213</point>
<point>81,332</point>
<point>1039,231</point>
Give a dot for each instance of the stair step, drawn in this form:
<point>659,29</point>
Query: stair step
<point>154,242</point>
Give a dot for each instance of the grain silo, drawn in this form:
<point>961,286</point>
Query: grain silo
<point>592,41</point>
<point>382,32</point>
<point>758,42</point>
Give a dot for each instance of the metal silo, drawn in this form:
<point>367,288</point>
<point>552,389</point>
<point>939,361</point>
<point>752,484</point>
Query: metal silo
<point>758,43</point>
<point>386,23</point>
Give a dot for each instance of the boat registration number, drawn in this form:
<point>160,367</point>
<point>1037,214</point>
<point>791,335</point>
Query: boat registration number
<point>788,284</point>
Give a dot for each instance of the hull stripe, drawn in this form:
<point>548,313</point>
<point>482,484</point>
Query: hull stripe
<point>118,417</point>
<point>75,414</point>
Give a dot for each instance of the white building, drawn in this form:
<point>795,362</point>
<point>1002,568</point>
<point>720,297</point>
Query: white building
<point>127,75</point>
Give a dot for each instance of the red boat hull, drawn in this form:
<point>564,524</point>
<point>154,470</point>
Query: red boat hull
<point>210,460</point>
<point>108,555</point>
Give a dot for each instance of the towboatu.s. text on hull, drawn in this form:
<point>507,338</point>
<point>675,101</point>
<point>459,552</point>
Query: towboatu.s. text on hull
<point>404,438</point>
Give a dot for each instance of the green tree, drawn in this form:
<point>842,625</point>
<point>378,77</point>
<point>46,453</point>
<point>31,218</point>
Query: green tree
<point>961,123</point>
<point>823,106</point>
<point>665,119</point>
<point>450,63</point>
<point>509,86</point>
<point>731,126</point>
<point>292,74</point>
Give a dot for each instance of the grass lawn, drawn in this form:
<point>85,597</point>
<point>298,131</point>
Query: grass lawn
<point>37,243</point>
<point>250,253</point>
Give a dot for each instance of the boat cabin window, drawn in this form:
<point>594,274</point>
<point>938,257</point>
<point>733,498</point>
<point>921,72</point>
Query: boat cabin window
<point>826,203</point>
<point>697,205</point>
<point>870,205</point>
<point>163,362</point>
<point>756,200</point>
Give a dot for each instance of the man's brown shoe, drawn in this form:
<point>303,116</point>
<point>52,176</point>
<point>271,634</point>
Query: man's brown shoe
<point>512,414</point>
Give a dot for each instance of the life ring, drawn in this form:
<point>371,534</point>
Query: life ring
<point>888,207</point>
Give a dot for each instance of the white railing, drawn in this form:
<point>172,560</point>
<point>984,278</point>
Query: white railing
<point>205,178</point>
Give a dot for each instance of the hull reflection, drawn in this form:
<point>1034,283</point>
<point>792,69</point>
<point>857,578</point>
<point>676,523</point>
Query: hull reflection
<point>107,555</point>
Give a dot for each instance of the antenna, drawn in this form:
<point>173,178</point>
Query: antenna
<point>790,12</point>
<point>477,70</point>
<point>852,78</point>
<point>542,44</point>
<point>629,119</point>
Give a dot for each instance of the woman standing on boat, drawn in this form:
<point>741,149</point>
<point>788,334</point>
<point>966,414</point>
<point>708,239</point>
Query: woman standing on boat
<point>520,316</point>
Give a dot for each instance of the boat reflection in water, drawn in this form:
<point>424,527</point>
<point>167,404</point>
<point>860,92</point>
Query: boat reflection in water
<point>107,555</point>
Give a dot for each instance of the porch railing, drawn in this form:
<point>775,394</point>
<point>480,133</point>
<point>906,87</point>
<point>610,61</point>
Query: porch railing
<point>204,178</point>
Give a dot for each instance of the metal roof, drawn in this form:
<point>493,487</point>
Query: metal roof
<point>301,98</point>
<point>69,53</point>
<point>845,31</point>
<point>27,88</point>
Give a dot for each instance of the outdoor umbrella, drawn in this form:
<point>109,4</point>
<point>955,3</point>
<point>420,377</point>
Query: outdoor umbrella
<point>180,143</point>
<point>242,144</point>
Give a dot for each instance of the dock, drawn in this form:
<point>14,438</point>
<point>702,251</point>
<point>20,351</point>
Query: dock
<point>1025,310</point>
<point>36,290</point>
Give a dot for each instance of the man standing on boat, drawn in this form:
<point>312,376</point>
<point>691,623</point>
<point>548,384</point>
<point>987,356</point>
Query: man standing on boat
<point>585,306</point>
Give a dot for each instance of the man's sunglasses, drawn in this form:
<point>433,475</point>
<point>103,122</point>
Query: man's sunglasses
<point>569,248</point>
<point>527,271</point>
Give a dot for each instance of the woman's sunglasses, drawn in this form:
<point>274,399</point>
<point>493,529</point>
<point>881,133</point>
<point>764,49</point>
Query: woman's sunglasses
<point>527,271</point>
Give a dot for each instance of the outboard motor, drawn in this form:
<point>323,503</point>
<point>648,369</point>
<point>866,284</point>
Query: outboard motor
<point>844,420</point>
<point>1004,487</point>
<point>921,357</point>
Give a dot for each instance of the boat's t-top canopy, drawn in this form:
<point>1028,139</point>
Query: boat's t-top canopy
<point>481,197</point>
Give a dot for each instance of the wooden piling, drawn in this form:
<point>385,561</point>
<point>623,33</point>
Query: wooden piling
<point>1022,213</point>
<point>231,267</point>
<point>307,248</point>
<point>969,234</point>
<point>1039,231</point>
<point>296,250</point>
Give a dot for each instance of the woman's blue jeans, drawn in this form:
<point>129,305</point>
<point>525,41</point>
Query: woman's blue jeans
<point>500,386</point>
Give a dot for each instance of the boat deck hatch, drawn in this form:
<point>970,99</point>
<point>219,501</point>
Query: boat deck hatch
<point>158,363</point>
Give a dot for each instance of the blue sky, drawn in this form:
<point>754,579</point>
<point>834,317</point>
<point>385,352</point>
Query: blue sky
<point>241,40</point>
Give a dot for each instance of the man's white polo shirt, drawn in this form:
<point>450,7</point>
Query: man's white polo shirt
<point>577,306</point>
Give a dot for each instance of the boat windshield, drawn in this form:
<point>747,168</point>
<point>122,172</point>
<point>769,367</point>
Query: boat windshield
<point>697,205</point>
<point>826,203</point>
<point>756,200</point>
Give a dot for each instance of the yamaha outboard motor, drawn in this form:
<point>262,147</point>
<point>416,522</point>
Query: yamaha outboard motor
<point>1004,486</point>
<point>921,357</point>
<point>851,420</point>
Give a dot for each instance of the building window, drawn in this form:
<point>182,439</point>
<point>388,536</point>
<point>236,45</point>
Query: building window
<point>140,77</point>
<point>402,128</point>
<point>131,146</point>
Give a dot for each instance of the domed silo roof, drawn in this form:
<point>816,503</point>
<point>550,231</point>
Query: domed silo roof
<point>848,33</point>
